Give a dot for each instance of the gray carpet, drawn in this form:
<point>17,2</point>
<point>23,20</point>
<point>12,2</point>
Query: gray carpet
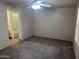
<point>40,48</point>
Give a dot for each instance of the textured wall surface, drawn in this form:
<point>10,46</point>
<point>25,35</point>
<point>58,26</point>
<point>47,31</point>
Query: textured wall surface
<point>4,38</point>
<point>25,24</point>
<point>76,41</point>
<point>58,23</point>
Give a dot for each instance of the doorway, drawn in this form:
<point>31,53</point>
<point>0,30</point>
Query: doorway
<point>13,26</point>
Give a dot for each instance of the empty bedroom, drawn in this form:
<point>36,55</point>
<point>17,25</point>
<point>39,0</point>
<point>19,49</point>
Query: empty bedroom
<point>39,29</point>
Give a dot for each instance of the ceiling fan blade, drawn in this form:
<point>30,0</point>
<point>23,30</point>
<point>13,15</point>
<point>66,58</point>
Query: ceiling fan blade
<point>38,4</point>
<point>29,6</point>
<point>45,5</point>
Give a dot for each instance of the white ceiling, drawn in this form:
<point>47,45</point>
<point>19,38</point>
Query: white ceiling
<point>52,2</point>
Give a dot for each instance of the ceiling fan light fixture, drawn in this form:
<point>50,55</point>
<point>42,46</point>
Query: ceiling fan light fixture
<point>39,4</point>
<point>35,7</point>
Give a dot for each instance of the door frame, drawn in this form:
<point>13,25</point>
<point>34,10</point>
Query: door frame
<point>15,11</point>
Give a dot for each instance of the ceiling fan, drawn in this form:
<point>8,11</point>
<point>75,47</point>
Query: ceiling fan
<point>38,4</point>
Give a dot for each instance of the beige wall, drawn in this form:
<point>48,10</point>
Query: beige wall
<point>4,38</point>
<point>25,24</point>
<point>58,23</point>
<point>76,41</point>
